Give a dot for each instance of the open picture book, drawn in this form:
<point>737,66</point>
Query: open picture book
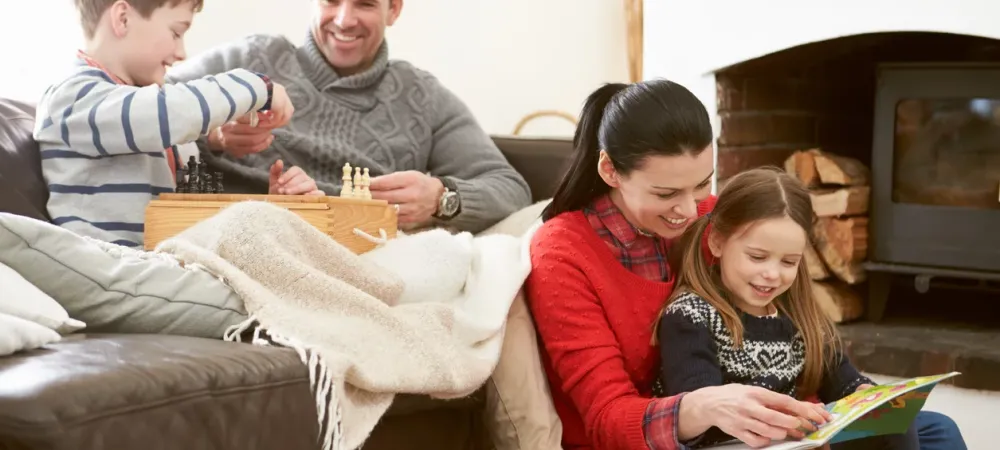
<point>885,409</point>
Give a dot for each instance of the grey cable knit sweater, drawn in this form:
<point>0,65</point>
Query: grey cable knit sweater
<point>392,117</point>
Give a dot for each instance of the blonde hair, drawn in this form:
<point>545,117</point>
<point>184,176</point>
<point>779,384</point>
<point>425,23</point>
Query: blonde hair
<point>751,196</point>
<point>92,10</point>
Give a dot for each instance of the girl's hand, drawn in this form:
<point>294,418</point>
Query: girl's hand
<point>751,414</point>
<point>863,387</point>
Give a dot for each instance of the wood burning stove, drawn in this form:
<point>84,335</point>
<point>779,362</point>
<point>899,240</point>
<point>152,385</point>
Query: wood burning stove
<point>936,175</point>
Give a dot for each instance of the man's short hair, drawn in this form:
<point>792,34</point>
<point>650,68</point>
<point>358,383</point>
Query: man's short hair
<point>91,10</point>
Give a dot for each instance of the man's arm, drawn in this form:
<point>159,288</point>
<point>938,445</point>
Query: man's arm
<point>94,117</point>
<point>489,187</point>
<point>223,58</point>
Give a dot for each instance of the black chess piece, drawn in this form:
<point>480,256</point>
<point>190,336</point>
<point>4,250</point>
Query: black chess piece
<point>203,177</point>
<point>218,182</point>
<point>181,182</point>
<point>209,184</point>
<point>193,179</point>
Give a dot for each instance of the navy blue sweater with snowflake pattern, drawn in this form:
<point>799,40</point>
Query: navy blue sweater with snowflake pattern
<point>697,350</point>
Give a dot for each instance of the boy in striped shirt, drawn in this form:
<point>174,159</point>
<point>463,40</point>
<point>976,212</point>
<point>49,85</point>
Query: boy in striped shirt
<point>108,132</point>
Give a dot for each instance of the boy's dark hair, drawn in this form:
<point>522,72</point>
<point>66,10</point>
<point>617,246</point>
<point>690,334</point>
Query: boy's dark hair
<point>91,10</point>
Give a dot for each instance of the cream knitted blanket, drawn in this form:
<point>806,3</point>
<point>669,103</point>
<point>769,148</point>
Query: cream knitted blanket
<point>423,313</point>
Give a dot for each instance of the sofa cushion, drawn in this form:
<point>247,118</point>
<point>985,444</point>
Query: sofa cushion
<point>22,189</point>
<point>17,334</point>
<point>114,289</point>
<point>22,299</point>
<point>541,161</point>
<point>155,392</point>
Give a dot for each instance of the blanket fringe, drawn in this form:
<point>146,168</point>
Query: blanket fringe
<point>320,379</point>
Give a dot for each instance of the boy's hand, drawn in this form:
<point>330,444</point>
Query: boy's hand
<point>281,109</point>
<point>239,138</point>
<point>293,182</point>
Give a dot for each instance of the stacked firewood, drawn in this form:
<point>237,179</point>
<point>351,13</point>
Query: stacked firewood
<point>840,188</point>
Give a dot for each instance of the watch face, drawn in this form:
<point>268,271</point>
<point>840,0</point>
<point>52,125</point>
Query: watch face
<point>449,204</point>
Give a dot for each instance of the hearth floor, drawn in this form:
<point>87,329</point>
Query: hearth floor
<point>922,334</point>
<point>913,349</point>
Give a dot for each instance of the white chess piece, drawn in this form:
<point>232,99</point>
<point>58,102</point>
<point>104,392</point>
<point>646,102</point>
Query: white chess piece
<point>357,183</point>
<point>347,189</point>
<point>366,181</point>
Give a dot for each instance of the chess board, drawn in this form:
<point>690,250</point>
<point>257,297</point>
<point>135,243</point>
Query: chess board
<point>172,213</point>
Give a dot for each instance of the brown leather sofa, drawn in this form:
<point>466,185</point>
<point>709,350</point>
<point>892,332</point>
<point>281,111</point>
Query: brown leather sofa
<point>150,392</point>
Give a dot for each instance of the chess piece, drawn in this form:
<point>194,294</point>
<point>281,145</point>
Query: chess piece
<point>209,184</point>
<point>218,183</point>
<point>193,180</point>
<point>357,183</point>
<point>203,177</point>
<point>347,188</point>
<point>180,181</point>
<point>366,181</point>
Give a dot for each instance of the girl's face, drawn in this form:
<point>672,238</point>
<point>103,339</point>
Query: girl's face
<point>760,261</point>
<point>661,196</point>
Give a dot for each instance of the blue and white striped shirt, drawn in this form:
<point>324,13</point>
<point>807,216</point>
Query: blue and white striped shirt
<point>103,144</point>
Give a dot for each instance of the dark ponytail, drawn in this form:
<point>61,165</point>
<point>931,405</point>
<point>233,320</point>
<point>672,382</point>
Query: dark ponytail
<point>582,183</point>
<point>630,122</point>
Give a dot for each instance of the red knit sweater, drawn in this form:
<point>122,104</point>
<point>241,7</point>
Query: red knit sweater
<point>594,320</point>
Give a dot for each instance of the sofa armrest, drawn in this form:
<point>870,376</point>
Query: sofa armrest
<point>541,161</point>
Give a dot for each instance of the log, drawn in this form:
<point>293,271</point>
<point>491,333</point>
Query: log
<point>802,166</point>
<point>842,243</point>
<point>817,270</point>
<point>841,170</point>
<point>848,201</point>
<point>838,300</point>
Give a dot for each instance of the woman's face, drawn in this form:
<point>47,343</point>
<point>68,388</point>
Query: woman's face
<point>661,195</point>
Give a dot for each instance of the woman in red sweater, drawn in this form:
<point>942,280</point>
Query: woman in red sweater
<point>600,274</point>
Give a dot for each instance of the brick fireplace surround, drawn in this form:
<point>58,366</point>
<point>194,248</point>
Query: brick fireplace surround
<point>819,94</point>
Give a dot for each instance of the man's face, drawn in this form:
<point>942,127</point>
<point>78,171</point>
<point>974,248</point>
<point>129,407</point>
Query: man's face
<point>349,32</point>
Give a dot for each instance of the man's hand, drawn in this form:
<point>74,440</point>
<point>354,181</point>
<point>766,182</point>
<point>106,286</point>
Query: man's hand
<point>239,138</point>
<point>293,182</point>
<point>416,193</point>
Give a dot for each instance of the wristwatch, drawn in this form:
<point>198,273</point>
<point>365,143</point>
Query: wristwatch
<point>450,203</point>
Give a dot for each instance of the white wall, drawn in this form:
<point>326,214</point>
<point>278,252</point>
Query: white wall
<point>504,58</point>
<point>687,40</point>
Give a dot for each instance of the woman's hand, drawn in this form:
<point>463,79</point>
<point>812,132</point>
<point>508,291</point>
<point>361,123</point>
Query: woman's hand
<point>751,414</point>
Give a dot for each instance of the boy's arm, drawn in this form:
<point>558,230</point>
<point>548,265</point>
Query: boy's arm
<point>94,117</point>
<point>688,355</point>
<point>841,379</point>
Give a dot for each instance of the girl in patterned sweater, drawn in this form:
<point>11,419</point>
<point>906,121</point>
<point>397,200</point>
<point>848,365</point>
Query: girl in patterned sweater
<point>743,311</point>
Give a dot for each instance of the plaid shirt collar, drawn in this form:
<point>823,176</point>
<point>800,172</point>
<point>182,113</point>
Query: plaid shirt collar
<point>612,218</point>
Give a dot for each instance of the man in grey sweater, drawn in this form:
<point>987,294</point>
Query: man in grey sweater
<point>425,150</point>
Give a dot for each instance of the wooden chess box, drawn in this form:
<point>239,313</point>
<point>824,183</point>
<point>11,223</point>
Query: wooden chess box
<point>172,213</point>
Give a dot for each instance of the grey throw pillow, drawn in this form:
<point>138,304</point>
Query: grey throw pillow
<point>115,289</point>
